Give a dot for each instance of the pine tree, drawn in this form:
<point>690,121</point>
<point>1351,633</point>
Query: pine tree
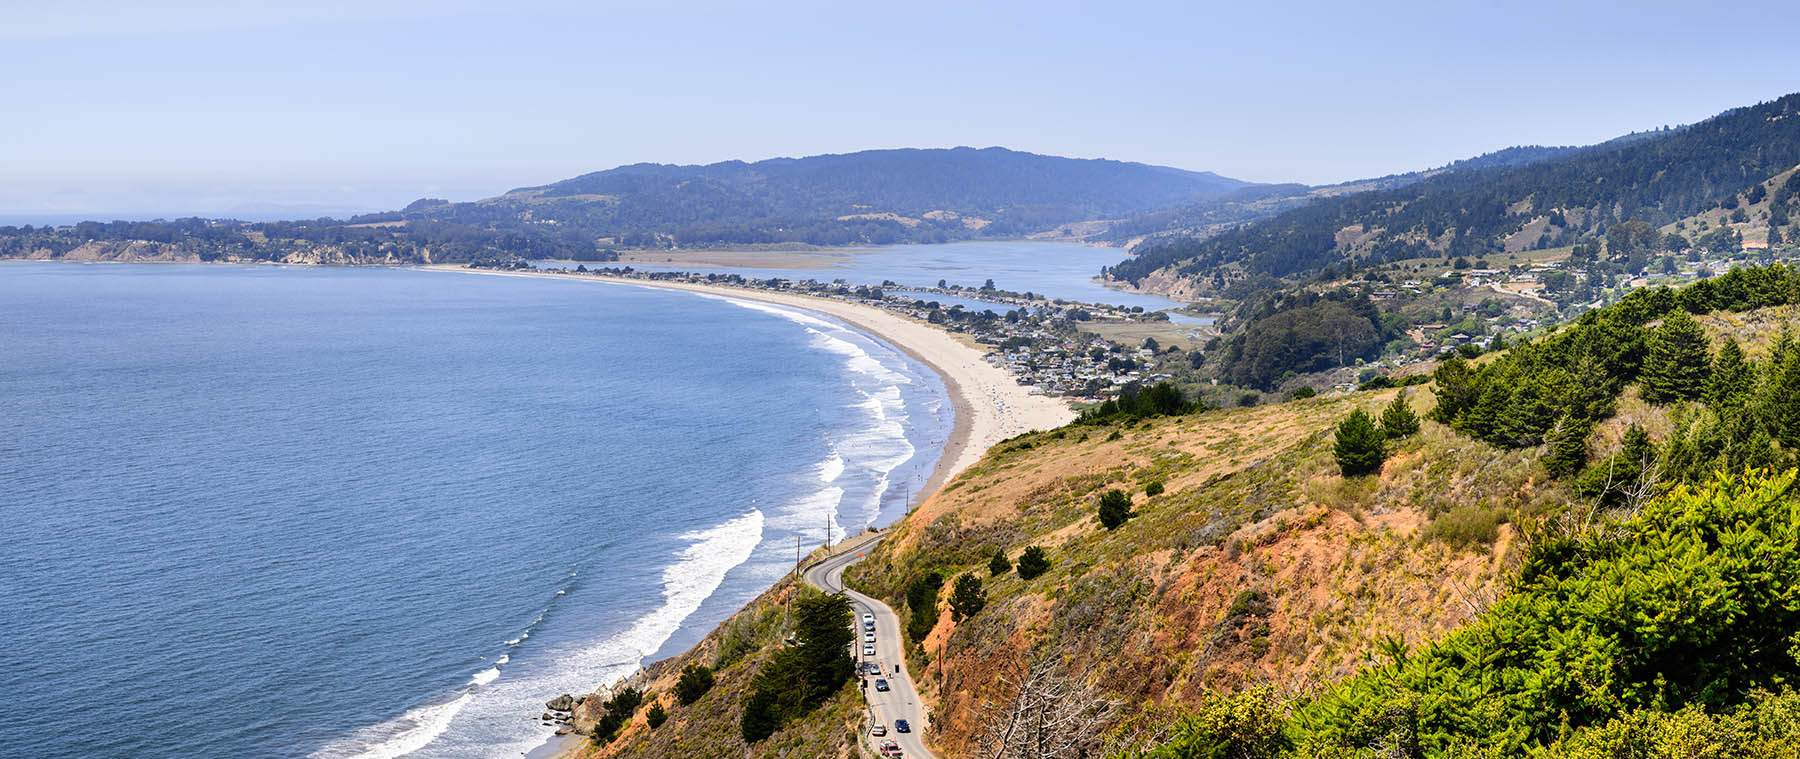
<point>1731,378</point>
<point>1398,419</point>
<point>1781,403</point>
<point>999,565</point>
<point>1676,365</point>
<point>1033,562</point>
<point>1567,443</point>
<point>1115,508</point>
<point>966,598</point>
<point>1358,448</point>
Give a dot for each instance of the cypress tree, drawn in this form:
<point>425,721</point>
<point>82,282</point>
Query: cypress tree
<point>1358,448</point>
<point>1676,365</point>
<point>1398,419</point>
<point>1568,449</point>
<point>1731,378</point>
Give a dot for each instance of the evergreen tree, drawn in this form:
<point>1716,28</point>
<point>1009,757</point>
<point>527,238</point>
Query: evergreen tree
<point>1033,562</point>
<point>696,680</point>
<point>1115,508</point>
<point>1677,364</point>
<point>1398,419</point>
<point>1358,448</point>
<point>999,565</point>
<point>656,716</point>
<point>966,597</point>
<point>1568,450</point>
<point>1781,401</point>
<point>1731,379</point>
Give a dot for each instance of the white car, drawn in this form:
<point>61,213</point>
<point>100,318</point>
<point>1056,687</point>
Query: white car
<point>868,650</point>
<point>868,617</point>
<point>868,637</point>
<point>878,729</point>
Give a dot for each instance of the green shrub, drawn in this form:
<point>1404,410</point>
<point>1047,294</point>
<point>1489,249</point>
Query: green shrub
<point>1154,489</point>
<point>999,565</point>
<point>1465,525</point>
<point>656,716</point>
<point>1115,508</point>
<point>1033,563</point>
<point>695,681</point>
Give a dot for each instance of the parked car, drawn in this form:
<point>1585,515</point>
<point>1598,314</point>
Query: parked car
<point>869,624</point>
<point>881,684</point>
<point>868,650</point>
<point>868,637</point>
<point>900,726</point>
<point>878,729</point>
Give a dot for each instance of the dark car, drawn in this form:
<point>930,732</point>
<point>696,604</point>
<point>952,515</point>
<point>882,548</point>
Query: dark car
<point>881,684</point>
<point>900,726</point>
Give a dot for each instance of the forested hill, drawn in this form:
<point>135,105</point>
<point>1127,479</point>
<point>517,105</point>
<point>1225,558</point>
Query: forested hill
<point>1657,177</point>
<point>873,196</point>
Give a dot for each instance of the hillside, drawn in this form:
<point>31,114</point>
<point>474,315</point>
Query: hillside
<point>1657,178</point>
<point>1569,557</point>
<point>874,196</point>
<point>1212,215</point>
<point>869,197</point>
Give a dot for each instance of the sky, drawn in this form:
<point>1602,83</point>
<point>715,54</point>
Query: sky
<point>121,108</point>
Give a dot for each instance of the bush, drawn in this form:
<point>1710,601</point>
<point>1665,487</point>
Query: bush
<point>999,565</point>
<point>1033,563</point>
<point>696,680</point>
<point>656,716</point>
<point>1302,392</point>
<point>1153,489</point>
<point>1465,525</point>
<point>1687,602</point>
<point>1115,508</point>
<point>1248,399</point>
<point>1359,445</point>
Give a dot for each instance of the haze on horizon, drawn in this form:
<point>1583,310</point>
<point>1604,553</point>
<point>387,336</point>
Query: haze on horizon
<point>270,110</point>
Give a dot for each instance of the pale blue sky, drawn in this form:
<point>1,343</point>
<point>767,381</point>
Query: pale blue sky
<point>209,106</point>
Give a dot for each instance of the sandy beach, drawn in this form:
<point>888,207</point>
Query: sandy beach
<point>990,405</point>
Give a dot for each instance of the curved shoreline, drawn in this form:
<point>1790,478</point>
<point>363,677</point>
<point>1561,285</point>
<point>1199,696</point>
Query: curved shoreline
<point>990,406</point>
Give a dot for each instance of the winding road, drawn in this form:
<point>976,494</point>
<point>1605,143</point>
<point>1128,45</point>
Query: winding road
<point>901,701</point>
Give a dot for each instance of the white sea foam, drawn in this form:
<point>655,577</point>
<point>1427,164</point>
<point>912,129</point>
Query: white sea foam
<point>504,658</point>
<point>494,704</point>
<point>400,736</point>
<point>831,468</point>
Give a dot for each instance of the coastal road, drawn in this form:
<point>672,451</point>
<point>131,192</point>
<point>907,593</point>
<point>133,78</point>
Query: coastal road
<point>902,700</point>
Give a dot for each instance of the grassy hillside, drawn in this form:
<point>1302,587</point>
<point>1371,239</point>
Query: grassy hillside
<point>1256,563</point>
<point>709,726</point>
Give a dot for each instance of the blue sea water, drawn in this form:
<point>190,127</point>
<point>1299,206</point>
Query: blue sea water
<point>280,512</point>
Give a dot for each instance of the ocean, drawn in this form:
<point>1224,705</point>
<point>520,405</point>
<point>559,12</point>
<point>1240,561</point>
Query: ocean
<point>261,511</point>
